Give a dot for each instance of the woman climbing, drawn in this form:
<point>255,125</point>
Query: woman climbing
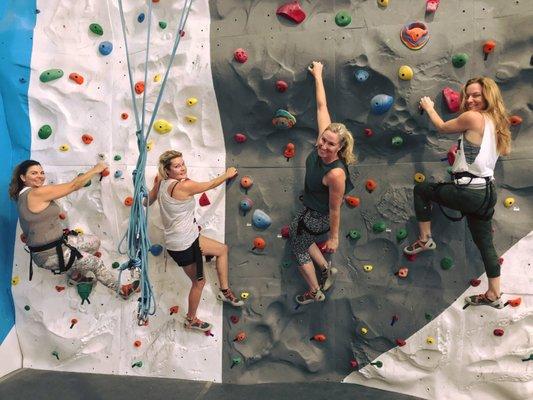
<point>49,246</point>
<point>327,179</point>
<point>175,194</point>
<point>484,127</point>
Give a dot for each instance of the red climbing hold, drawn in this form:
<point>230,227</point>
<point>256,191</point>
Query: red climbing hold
<point>128,201</point>
<point>76,78</point>
<point>498,332</point>
<point>62,215</point>
<point>432,5</point>
<point>400,342</point>
<point>410,257</point>
<point>98,254</point>
<point>282,86</point>
<point>500,260</point>
<point>319,337</point>
<point>23,238</point>
<point>451,154</point>
<point>285,232</point>
<point>370,185</point>
<point>488,47</point>
<point>452,99</point>
<point>240,137</point>
<point>86,138</point>
<point>289,151</point>
<point>322,247</point>
<point>204,200</point>
<point>475,282</point>
<point>104,173</point>
<point>515,120</point>
<point>240,337</point>
<point>234,319</point>
<point>182,33</point>
<point>369,132</point>
<point>354,364</point>
<point>240,55</point>
<point>124,115</point>
<point>60,288</point>
<point>174,310</point>
<point>139,87</point>
<point>292,11</point>
<point>402,272</point>
<point>352,201</point>
<point>137,343</point>
<point>73,322</point>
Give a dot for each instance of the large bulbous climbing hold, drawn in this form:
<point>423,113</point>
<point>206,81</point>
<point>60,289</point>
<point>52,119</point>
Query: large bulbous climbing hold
<point>488,47</point>
<point>343,18</point>
<point>381,103</point>
<point>452,99</point>
<point>50,75</point>
<point>459,60</point>
<point>162,126</point>
<point>105,48</point>
<point>45,132</point>
<point>261,219</point>
<point>361,75</point>
<point>96,29</point>
<point>246,205</point>
<point>240,55</point>
<point>283,119</point>
<point>415,35</point>
<point>292,11</point>
<point>405,73</point>
<point>431,6</point>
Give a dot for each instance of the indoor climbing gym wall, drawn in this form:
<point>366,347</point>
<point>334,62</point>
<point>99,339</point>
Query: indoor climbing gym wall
<point>239,94</point>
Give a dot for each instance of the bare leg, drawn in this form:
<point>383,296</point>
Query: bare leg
<point>308,272</point>
<point>195,294</point>
<point>318,257</point>
<point>494,289</point>
<point>425,230</point>
<point>211,247</point>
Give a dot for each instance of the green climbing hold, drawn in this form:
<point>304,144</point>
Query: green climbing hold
<point>343,18</point>
<point>235,361</point>
<point>379,227</point>
<point>459,60</point>
<point>88,183</point>
<point>449,170</point>
<point>84,290</point>
<point>45,131</point>
<point>117,157</point>
<point>50,75</point>
<point>286,264</point>
<point>137,364</point>
<point>96,29</point>
<point>446,263</point>
<point>27,308</point>
<point>162,24</point>
<point>115,265</point>
<point>428,316</point>
<point>354,234</point>
<point>55,354</point>
<point>378,364</point>
<point>397,141</point>
<point>401,234</point>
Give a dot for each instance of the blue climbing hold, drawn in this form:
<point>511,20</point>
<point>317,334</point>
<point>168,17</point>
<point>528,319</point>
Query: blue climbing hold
<point>381,103</point>
<point>361,75</point>
<point>140,18</point>
<point>118,173</point>
<point>283,119</point>
<point>246,205</point>
<point>261,220</point>
<point>105,48</point>
<point>156,249</point>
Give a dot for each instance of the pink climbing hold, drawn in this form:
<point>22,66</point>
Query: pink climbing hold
<point>451,154</point>
<point>401,342</point>
<point>354,364</point>
<point>452,99</point>
<point>240,137</point>
<point>432,5</point>
<point>292,11</point>
<point>281,86</point>
<point>240,55</point>
<point>369,132</point>
<point>204,200</point>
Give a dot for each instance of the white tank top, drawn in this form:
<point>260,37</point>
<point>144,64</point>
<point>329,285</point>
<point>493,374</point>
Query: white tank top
<point>484,162</point>
<point>181,229</point>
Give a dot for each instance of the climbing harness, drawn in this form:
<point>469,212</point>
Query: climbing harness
<point>137,233</point>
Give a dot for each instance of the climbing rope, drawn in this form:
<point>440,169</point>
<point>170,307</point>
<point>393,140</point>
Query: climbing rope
<point>137,233</point>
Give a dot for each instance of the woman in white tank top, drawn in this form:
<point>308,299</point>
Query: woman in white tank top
<point>175,194</point>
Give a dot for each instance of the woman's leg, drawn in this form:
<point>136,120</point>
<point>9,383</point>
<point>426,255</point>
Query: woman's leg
<point>87,243</point>
<point>211,247</point>
<point>195,294</point>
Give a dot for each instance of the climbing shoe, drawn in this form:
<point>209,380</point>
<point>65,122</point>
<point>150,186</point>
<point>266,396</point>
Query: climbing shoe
<point>420,246</point>
<point>229,297</point>
<point>197,324</point>
<point>483,300</point>
<point>76,277</point>
<point>327,277</point>
<point>127,290</point>
<point>309,297</point>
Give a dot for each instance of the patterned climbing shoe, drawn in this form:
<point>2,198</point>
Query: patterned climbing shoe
<point>327,277</point>
<point>309,297</point>
<point>127,290</point>
<point>76,277</point>
<point>229,297</point>
<point>483,300</point>
<point>420,246</point>
<point>197,324</point>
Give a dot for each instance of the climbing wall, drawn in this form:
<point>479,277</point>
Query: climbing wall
<point>413,315</point>
<point>89,113</point>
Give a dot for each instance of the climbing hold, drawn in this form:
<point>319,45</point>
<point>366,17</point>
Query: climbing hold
<point>240,137</point>
<point>498,332</point>
<point>23,238</point>
<point>514,302</point>
<point>96,29</point>
<point>354,234</point>
<point>156,249</point>
<point>60,288</point>
<point>246,183</point>
<point>515,120</point>
<point>361,75</point>
<point>50,75</point>
<point>509,202</point>
<point>352,201</point>
<point>162,126</point>
<point>428,316</point>
<point>379,227</point>
<point>451,154</point>
<point>246,205</point>
<point>240,55</point>
<point>64,147</point>
<point>190,119</point>
<point>285,232</point>
<point>286,264</point>
<point>367,268</point>
<point>405,73</point>
<point>118,173</point>
<point>419,177</point>
<point>401,234</point>
<point>261,220</point>
<point>62,215</point>
<point>383,3</point>
<point>104,173</point>
<point>292,11</point>
<point>364,331</point>
<point>44,132</point>
<point>530,358</point>
<point>140,18</point>
<point>381,103</point>
<point>452,99</point>
<point>488,47</point>
<point>368,132</point>
<point>397,141</point>
<point>98,254</point>
<point>138,364</point>
<point>475,282</point>
<point>204,200</point>
<point>446,263</point>
<point>15,280</point>
<point>105,48</point>
<point>128,201</point>
<point>234,319</point>
<point>319,337</point>
<point>73,322</point>
<point>343,18</point>
<point>174,310</point>
<point>259,243</point>
<point>137,343</point>
<point>191,101</point>
<point>245,295</point>
<point>430,340</point>
<point>55,353</point>
<point>86,138</point>
<point>283,119</point>
<point>500,260</point>
<point>431,6</point>
<point>281,86</point>
<point>124,115</point>
<point>459,60</point>
<point>289,151</point>
<point>78,231</point>
<point>235,361</point>
<point>27,308</point>
<point>394,319</point>
<point>84,290</point>
<point>139,87</point>
<point>115,265</point>
<point>241,336</point>
<point>415,35</point>
<point>402,272</point>
<point>400,342</point>
<point>354,364</point>
<point>370,185</point>
<point>162,24</point>
<point>76,78</point>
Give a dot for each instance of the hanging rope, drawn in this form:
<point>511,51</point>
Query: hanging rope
<point>137,234</point>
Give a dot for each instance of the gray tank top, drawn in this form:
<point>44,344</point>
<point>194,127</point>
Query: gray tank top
<point>39,228</point>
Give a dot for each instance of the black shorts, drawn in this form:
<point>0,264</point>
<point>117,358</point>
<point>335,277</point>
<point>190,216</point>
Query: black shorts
<point>184,257</point>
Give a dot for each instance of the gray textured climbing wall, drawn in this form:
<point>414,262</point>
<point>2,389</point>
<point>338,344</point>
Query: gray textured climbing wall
<point>277,347</point>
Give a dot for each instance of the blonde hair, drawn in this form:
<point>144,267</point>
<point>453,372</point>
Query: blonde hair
<point>165,160</point>
<point>346,140</point>
<point>495,109</point>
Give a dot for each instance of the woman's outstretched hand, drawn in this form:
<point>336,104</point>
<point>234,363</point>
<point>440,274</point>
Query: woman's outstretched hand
<point>316,68</point>
<point>426,103</point>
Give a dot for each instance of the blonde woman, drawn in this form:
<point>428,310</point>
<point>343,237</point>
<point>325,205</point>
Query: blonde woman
<point>175,194</point>
<point>327,180</point>
<point>484,127</point>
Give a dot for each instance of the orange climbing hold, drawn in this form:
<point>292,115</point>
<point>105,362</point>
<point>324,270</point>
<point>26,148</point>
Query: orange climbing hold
<point>124,115</point>
<point>73,322</point>
<point>319,337</point>
<point>352,201</point>
<point>105,172</point>
<point>515,120</point>
<point>174,310</point>
<point>402,272</point>
<point>246,182</point>
<point>86,138</point>
<point>370,185</point>
<point>241,336</point>
<point>139,87</point>
<point>289,151</point>
<point>514,302</point>
<point>76,78</point>
<point>488,47</point>
<point>128,201</point>
<point>259,243</point>
<point>137,343</point>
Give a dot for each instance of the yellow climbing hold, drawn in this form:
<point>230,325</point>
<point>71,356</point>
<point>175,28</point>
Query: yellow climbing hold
<point>150,145</point>
<point>508,202</point>
<point>79,231</point>
<point>162,126</point>
<point>405,73</point>
<point>245,295</point>
<point>191,119</point>
<point>15,280</point>
<point>430,340</point>
<point>383,3</point>
<point>419,177</point>
<point>191,101</point>
<point>368,268</point>
<point>64,147</point>
<point>364,331</point>
<point>157,77</point>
